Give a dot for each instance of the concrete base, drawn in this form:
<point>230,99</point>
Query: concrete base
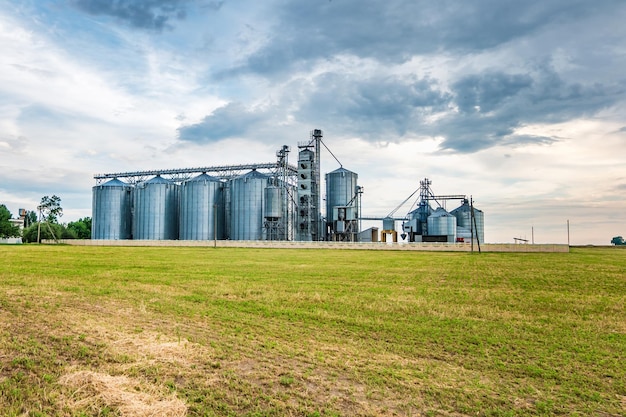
<point>438,247</point>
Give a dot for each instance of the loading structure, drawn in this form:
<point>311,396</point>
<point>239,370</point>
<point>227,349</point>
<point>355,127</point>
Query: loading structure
<point>309,223</point>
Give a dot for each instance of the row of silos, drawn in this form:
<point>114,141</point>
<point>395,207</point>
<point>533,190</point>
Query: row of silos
<point>202,208</point>
<point>425,224</point>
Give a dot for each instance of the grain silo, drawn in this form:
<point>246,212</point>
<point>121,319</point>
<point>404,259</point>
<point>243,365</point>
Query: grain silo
<point>111,210</point>
<point>201,209</point>
<point>247,194</point>
<point>342,204</point>
<point>156,210</point>
<point>441,227</point>
<point>463,215</point>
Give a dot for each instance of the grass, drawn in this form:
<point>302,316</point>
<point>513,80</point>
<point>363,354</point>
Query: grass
<point>111,331</point>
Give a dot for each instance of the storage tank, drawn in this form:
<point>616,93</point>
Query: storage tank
<point>111,211</point>
<point>201,209</point>
<point>340,189</point>
<point>442,223</point>
<point>463,215</point>
<point>389,223</point>
<point>156,210</point>
<point>247,193</point>
<point>273,202</point>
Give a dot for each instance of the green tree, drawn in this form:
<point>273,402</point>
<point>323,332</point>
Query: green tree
<point>49,210</point>
<point>81,229</point>
<point>31,218</point>
<point>45,232</point>
<point>7,229</point>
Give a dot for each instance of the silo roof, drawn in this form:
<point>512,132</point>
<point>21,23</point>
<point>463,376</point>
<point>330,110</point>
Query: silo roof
<point>203,177</point>
<point>341,170</point>
<point>464,207</point>
<point>440,212</point>
<point>158,180</point>
<point>253,174</point>
<point>114,183</point>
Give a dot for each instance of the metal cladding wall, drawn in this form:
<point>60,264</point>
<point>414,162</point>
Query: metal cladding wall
<point>156,210</point>
<point>463,216</point>
<point>201,209</point>
<point>442,223</point>
<point>340,188</point>
<point>247,193</point>
<point>111,211</point>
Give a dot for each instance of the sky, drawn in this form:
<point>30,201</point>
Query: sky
<point>519,104</point>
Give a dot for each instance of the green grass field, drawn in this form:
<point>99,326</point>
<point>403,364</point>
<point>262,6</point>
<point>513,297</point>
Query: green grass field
<point>132,331</point>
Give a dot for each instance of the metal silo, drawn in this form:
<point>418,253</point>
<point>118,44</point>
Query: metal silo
<point>273,202</point>
<point>463,215</point>
<point>275,223</point>
<point>341,187</point>
<point>442,223</point>
<point>111,210</point>
<point>247,193</point>
<point>201,209</point>
<point>156,210</point>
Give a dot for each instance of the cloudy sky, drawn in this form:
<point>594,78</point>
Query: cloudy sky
<point>521,104</point>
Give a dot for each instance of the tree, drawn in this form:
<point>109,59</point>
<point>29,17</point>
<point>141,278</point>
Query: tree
<point>81,229</point>
<point>51,232</point>
<point>30,219</point>
<point>49,209</point>
<point>7,229</point>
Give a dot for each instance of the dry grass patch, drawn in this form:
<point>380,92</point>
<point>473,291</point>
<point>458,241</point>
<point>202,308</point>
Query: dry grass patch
<point>95,391</point>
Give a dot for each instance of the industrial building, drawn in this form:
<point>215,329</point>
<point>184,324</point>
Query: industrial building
<point>263,201</point>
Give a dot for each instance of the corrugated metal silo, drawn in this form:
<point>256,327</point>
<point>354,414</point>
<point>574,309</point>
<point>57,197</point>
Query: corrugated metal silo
<point>463,215</point>
<point>442,223</point>
<point>247,193</point>
<point>273,202</point>
<point>340,188</point>
<point>201,209</point>
<point>111,211</point>
<point>156,210</point>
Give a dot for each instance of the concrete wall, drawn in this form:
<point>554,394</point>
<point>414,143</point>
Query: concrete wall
<point>442,247</point>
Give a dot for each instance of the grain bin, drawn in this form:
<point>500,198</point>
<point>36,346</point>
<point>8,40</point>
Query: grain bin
<point>463,215</point>
<point>201,209</point>
<point>156,210</point>
<point>442,223</point>
<point>111,211</point>
<point>341,187</point>
<point>247,194</point>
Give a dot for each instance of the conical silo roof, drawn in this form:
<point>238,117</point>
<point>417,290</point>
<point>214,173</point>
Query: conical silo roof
<point>114,183</point>
<point>253,174</point>
<point>203,177</point>
<point>158,180</point>
<point>341,170</point>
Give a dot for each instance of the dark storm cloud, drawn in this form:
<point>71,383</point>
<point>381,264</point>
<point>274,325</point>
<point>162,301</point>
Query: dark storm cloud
<point>369,107</point>
<point>144,14</point>
<point>480,110</point>
<point>492,105</point>
<point>396,30</point>
<point>232,120</point>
